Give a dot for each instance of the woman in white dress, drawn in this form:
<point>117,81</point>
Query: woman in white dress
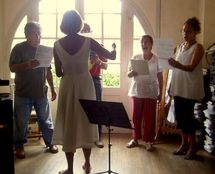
<point>187,85</point>
<point>71,53</point>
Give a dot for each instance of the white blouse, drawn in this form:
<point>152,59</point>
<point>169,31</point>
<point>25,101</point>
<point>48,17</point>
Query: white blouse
<point>145,86</point>
<point>186,84</point>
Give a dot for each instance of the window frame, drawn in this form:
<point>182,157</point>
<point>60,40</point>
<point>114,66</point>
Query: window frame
<point>79,5</point>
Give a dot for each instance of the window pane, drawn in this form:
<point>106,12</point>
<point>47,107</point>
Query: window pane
<point>112,25</point>
<point>94,21</point>
<point>111,76</point>
<point>112,6</point>
<point>108,45</point>
<point>137,47</point>
<point>59,20</point>
<point>92,6</point>
<point>20,29</point>
<point>138,29</point>
<point>48,24</point>
<point>65,5</point>
<point>47,6</point>
<point>138,32</point>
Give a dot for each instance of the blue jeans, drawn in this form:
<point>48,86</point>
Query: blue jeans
<point>98,89</point>
<point>22,112</point>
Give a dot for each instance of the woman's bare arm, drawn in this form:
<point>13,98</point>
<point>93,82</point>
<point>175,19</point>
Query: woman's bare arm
<point>95,46</point>
<point>196,58</point>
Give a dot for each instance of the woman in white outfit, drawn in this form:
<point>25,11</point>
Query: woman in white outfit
<point>187,85</point>
<point>71,53</point>
<point>145,91</point>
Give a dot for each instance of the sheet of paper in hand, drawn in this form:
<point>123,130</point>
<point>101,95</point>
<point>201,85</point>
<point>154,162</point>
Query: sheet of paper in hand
<point>44,55</point>
<point>140,66</point>
<point>164,49</point>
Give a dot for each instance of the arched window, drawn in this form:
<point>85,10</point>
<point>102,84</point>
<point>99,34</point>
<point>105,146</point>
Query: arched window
<point>138,32</point>
<point>105,18</point>
<point>19,37</point>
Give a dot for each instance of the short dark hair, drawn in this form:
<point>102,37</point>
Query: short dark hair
<point>147,36</point>
<point>29,26</point>
<point>194,22</point>
<point>71,23</point>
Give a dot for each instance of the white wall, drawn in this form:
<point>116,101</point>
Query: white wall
<point>1,38</point>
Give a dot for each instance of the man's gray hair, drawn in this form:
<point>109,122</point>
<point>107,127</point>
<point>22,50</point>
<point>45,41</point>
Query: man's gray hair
<point>29,26</point>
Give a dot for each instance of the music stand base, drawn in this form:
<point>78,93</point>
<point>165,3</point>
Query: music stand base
<point>108,171</point>
<point>109,154</point>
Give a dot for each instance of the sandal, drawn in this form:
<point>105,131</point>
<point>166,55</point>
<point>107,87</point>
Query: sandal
<point>182,150</point>
<point>191,154</point>
<point>63,172</point>
<point>132,143</point>
<point>86,169</point>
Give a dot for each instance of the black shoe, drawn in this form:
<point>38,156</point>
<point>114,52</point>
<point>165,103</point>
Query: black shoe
<point>99,144</point>
<point>182,150</point>
<point>53,148</point>
<point>19,152</point>
<point>179,152</point>
<point>190,156</point>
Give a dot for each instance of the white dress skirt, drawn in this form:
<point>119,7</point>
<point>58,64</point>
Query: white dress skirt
<point>72,127</point>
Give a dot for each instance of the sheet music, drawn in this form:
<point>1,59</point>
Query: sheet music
<point>164,49</point>
<point>164,64</point>
<point>140,66</point>
<point>44,55</point>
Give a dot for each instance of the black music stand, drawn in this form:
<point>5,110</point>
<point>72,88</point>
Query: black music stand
<point>108,114</point>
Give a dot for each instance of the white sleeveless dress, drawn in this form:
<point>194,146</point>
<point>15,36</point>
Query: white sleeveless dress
<point>186,84</point>
<point>72,127</point>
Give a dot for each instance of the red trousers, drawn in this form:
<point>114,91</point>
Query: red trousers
<point>144,116</point>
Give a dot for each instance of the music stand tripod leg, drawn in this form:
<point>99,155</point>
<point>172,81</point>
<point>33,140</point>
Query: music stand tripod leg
<point>109,154</point>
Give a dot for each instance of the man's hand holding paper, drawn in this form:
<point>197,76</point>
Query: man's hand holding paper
<point>34,63</point>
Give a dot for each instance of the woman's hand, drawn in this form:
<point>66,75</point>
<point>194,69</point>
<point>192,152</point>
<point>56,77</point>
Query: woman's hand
<point>159,98</point>
<point>54,94</point>
<point>173,62</point>
<point>114,46</point>
<point>132,73</point>
<point>94,60</point>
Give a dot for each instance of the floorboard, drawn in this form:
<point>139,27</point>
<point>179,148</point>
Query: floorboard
<point>123,160</point>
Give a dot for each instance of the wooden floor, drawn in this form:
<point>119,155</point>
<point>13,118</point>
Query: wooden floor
<point>123,160</point>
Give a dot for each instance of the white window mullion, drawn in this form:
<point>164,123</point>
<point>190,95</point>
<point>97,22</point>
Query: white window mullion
<point>126,38</point>
<point>126,52</point>
<point>33,12</point>
<point>79,6</point>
